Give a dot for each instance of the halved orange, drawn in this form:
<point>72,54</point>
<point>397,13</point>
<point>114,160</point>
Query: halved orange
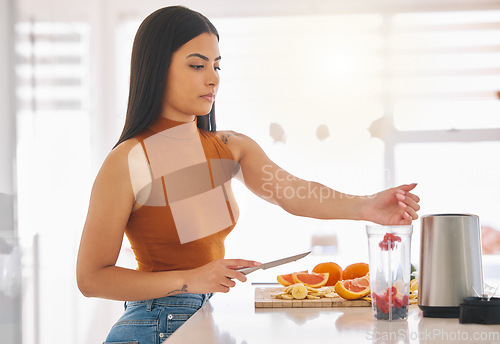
<point>312,280</point>
<point>355,270</point>
<point>334,271</point>
<point>353,289</point>
<point>286,280</point>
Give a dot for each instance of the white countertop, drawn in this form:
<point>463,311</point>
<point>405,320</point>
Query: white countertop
<point>231,318</point>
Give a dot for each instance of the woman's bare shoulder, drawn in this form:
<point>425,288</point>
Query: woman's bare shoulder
<point>117,161</point>
<point>240,144</point>
<point>112,194</point>
<point>122,151</point>
<point>232,137</point>
<point>235,141</point>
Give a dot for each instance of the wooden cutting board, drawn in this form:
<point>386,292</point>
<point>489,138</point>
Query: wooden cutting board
<point>263,299</point>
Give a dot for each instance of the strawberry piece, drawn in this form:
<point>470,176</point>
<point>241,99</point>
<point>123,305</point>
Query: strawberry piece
<point>405,300</point>
<point>389,237</point>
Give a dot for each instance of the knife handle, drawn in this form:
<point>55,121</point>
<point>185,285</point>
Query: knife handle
<point>246,271</point>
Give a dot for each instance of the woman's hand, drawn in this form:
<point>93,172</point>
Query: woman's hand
<point>396,206</point>
<point>217,276</point>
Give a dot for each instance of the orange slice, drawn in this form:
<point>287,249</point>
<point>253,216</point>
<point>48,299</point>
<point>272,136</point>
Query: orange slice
<point>312,280</point>
<point>353,289</point>
<point>286,280</point>
<point>355,270</point>
<point>334,272</point>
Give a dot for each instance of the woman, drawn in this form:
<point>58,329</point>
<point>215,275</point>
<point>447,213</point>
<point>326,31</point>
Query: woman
<point>166,185</point>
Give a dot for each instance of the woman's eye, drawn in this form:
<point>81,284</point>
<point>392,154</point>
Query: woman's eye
<point>197,66</point>
<point>217,68</point>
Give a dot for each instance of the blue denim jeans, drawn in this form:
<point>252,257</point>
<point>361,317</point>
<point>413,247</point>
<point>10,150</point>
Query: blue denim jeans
<point>153,321</point>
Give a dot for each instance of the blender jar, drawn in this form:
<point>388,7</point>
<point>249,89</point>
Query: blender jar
<point>390,269</point>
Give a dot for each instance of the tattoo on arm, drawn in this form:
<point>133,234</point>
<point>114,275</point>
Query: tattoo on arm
<point>177,291</point>
<point>225,137</point>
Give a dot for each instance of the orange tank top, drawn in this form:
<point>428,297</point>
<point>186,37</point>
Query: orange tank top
<point>185,208</point>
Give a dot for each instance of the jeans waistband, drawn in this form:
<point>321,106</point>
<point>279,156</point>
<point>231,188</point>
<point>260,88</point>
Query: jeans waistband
<point>184,299</point>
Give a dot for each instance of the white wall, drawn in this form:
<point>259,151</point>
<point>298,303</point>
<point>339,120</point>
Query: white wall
<point>7,113</point>
<point>10,264</point>
<point>75,9</point>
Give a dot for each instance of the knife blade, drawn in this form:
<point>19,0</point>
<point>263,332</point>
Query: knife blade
<point>273,263</point>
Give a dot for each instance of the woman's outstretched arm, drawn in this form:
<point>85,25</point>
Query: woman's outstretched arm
<point>300,197</point>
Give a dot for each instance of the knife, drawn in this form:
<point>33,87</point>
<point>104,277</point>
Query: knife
<point>274,263</point>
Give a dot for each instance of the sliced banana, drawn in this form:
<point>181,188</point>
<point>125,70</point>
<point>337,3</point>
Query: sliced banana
<point>312,297</point>
<point>299,291</point>
<point>332,295</point>
<point>414,285</point>
<point>413,291</point>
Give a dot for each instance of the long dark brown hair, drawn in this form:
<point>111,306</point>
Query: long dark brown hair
<point>161,34</point>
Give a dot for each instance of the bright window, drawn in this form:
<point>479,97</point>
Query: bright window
<point>284,78</point>
<point>53,165</point>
